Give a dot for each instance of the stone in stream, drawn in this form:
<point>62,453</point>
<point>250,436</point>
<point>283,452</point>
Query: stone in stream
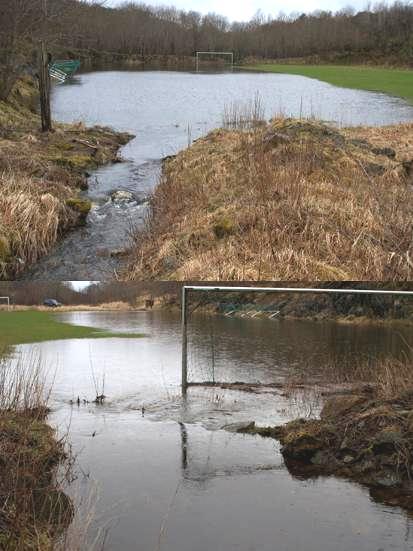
<point>122,196</point>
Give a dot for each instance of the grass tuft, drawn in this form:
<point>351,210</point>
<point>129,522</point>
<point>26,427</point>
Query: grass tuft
<point>33,509</point>
<point>291,200</point>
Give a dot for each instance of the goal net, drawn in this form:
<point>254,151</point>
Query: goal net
<point>214,58</point>
<point>5,303</point>
<point>226,351</point>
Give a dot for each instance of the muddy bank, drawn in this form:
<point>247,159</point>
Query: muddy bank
<point>33,510</point>
<point>342,308</point>
<point>288,200</point>
<point>346,308</point>
<point>361,437</point>
<point>42,178</point>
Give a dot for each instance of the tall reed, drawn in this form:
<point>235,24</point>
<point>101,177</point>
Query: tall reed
<point>23,389</point>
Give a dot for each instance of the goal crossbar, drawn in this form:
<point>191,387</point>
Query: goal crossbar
<point>222,289</point>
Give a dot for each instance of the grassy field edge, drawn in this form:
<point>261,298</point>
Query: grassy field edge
<point>30,326</point>
<point>396,82</point>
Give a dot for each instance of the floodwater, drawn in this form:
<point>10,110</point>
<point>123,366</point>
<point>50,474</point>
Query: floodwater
<point>171,478</point>
<point>166,111</point>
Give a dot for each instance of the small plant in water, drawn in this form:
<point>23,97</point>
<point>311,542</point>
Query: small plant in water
<point>98,383</point>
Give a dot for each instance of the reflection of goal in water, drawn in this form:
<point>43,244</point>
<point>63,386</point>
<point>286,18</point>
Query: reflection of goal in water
<point>217,453</point>
<point>213,290</point>
<point>6,301</point>
<point>211,55</point>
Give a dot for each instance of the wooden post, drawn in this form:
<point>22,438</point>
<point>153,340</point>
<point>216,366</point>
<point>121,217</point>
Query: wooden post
<point>184,322</point>
<point>44,88</point>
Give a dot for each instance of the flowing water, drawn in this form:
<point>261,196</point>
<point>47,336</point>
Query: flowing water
<point>171,478</point>
<point>166,111</point>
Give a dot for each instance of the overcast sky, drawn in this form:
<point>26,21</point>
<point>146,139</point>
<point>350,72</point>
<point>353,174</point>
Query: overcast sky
<point>241,10</point>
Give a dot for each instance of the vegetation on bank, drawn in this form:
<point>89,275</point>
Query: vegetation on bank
<point>321,307</point>
<point>365,433</point>
<point>34,511</point>
<point>41,176</point>
<point>396,82</point>
<point>289,200</point>
<point>29,326</point>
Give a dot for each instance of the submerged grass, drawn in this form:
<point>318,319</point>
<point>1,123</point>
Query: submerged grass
<point>34,326</point>
<point>397,82</point>
<point>289,200</point>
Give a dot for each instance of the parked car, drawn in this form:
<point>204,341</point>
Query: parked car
<point>51,303</point>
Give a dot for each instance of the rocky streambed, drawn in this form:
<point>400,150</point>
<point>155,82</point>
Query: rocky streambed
<point>95,250</point>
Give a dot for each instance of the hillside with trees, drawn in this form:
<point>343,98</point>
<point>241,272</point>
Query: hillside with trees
<point>379,34</point>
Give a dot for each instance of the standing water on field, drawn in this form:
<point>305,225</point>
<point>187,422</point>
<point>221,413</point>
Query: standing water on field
<point>166,111</point>
<point>170,476</point>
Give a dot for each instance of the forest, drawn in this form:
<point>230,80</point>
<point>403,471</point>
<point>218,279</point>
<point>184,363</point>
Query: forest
<point>381,33</point>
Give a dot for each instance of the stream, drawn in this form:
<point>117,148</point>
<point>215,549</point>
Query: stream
<point>166,111</point>
<point>171,477</point>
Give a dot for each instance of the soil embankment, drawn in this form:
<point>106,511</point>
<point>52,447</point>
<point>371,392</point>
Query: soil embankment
<point>33,510</point>
<point>42,175</point>
<point>288,200</point>
<point>346,307</point>
<point>340,307</point>
<point>363,437</point>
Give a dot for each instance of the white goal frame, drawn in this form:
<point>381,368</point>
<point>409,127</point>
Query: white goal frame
<point>187,289</point>
<point>198,54</point>
<point>7,299</point>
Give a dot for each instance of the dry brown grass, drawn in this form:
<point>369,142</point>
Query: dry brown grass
<point>385,378</point>
<point>399,137</point>
<point>22,387</point>
<point>31,217</point>
<point>40,178</point>
<point>393,378</point>
<point>388,377</point>
<point>33,509</point>
<point>294,200</point>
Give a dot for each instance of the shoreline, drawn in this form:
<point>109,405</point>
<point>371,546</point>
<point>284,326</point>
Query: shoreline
<point>252,315</point>
<point>359,436</point>
<point>43,176</point>
<point>35,508</point>
<point>394,81</point>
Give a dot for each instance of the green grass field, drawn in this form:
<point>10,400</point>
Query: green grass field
<point>396,82</point>
<point>32,326</point>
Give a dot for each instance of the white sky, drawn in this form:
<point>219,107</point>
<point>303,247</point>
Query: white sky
<point>242,10</point>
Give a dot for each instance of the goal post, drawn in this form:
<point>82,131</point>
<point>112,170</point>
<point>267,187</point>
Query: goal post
<point>5,300</point>
<point>199,55</point>
<point>187,290</point>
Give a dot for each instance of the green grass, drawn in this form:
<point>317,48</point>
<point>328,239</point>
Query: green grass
<point>32,326</point>
<point>396,82</point>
